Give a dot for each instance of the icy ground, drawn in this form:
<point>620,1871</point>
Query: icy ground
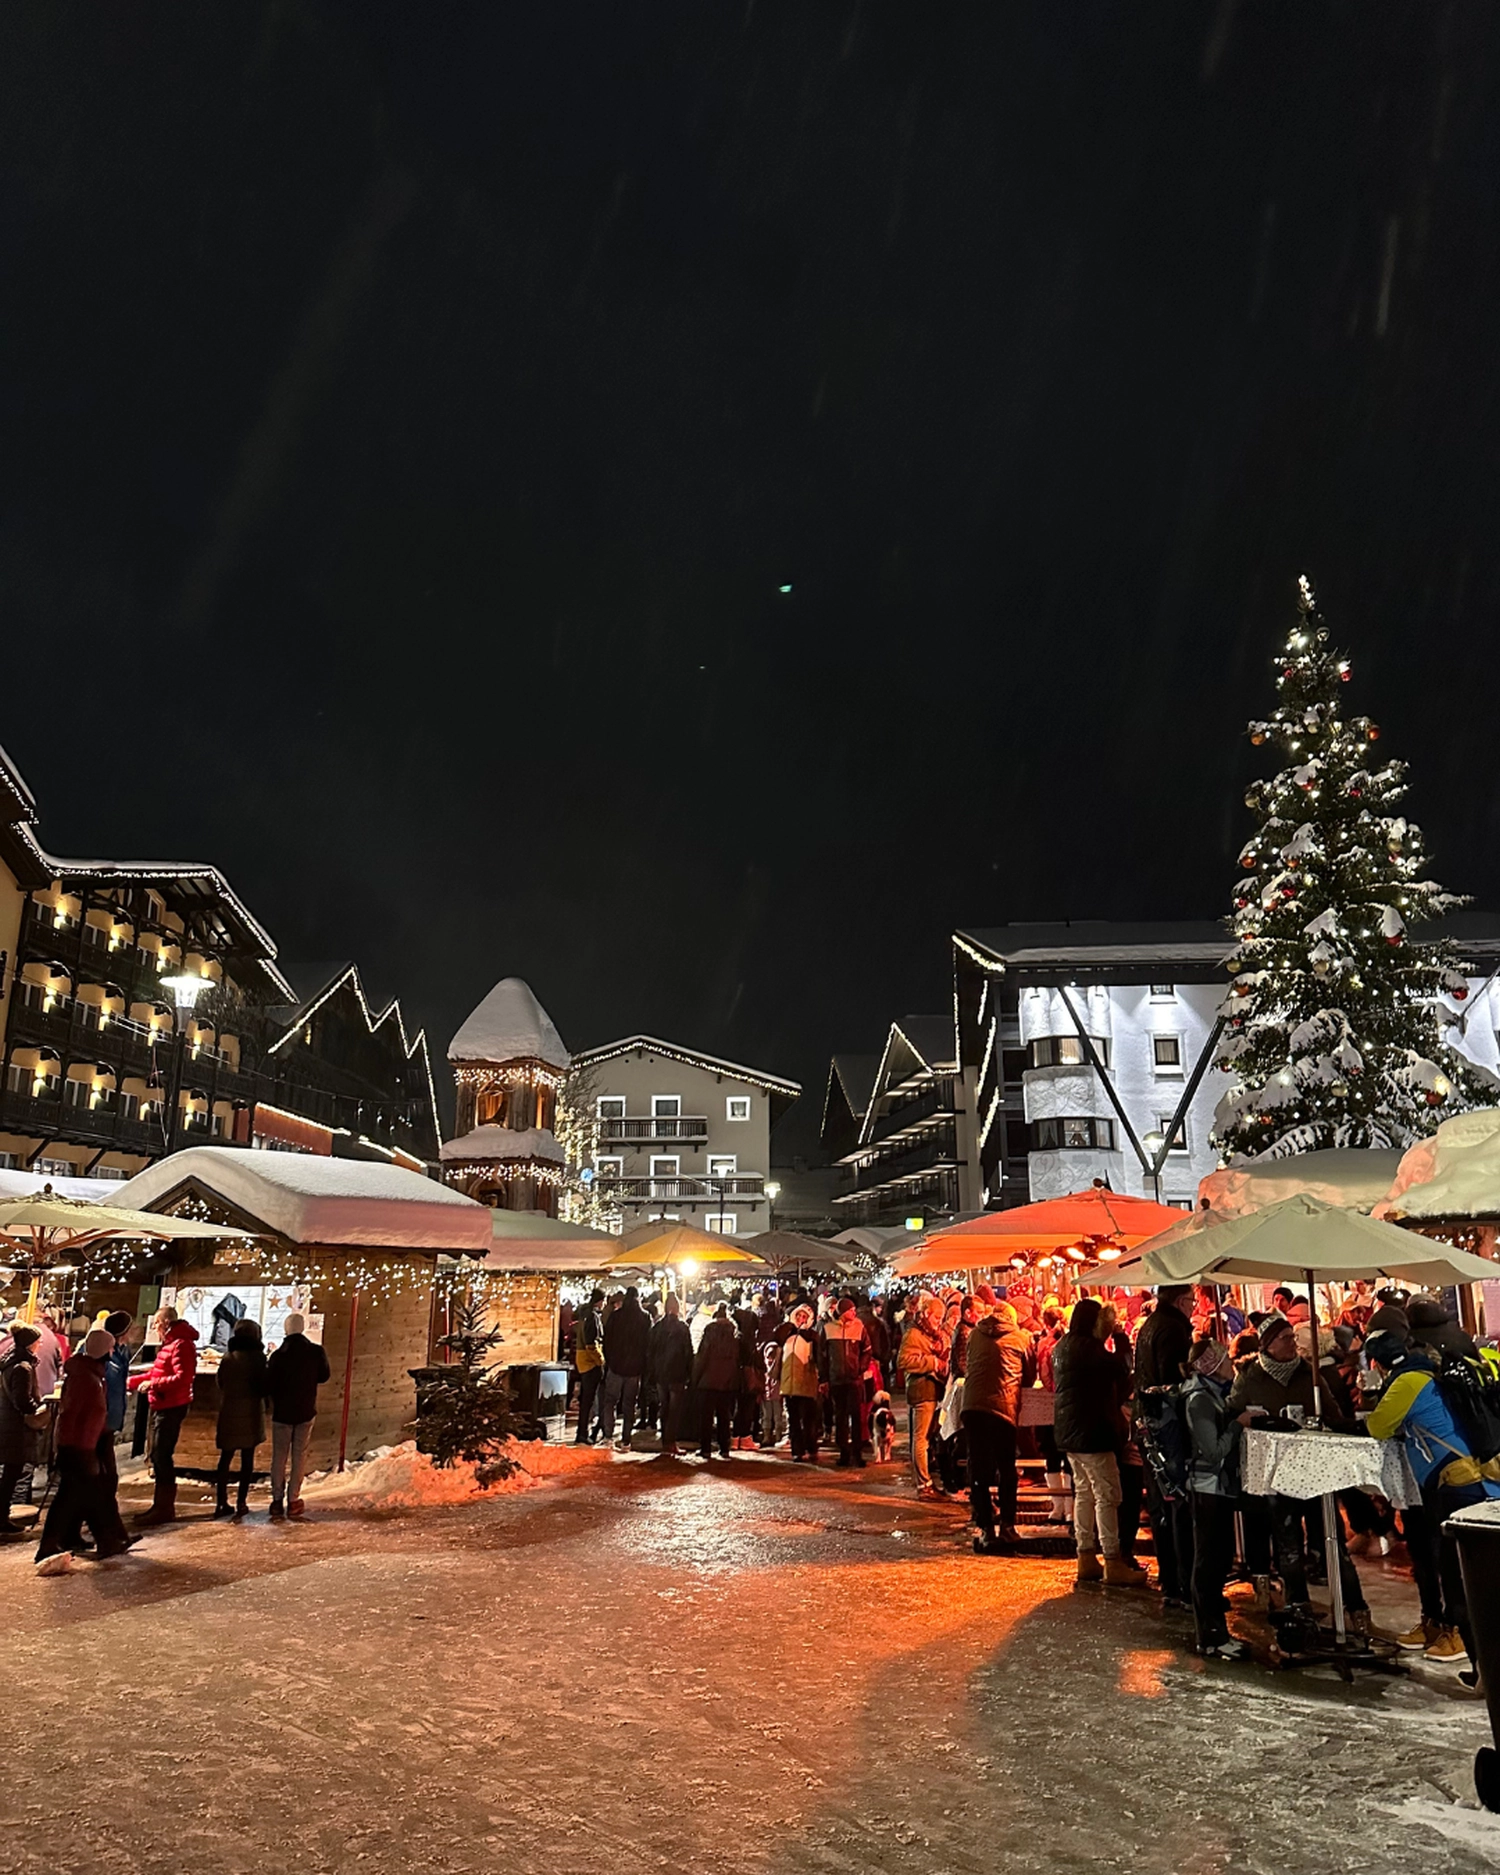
<point>648,1665</point>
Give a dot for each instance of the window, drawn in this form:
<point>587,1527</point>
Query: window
<point>666,1106</point>
<point>737,1107</point>
<point>1166,1054</point>
<point>609,1165</point>
<point>1065,1051</point>
<point>55,1168</point>
<point>76,1093</point>
<point>1179,1138</point>
<point>611,1106</point>
<point>725,1223</point>
<point>664,1174</point>
<point>722,1164</point>
<point>130,1107</point>
<point>1081,1134</point>
<point>1163,992</point>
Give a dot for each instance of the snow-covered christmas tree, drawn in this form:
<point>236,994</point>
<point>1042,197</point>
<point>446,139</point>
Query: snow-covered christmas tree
<point>1334,1022</point>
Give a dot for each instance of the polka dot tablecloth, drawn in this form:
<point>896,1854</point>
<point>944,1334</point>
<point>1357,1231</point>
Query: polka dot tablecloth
<point>1308,1464</point>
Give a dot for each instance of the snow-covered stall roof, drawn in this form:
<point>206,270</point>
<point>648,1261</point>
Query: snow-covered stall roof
<point>1455,1173</point>
<point>499,1142</point>
<point>509,1025</point>
<point>1353,1178</point>
<point>312,1200</point>
<point>529,1240</point>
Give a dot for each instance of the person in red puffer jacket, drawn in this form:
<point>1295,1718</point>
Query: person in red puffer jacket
<point>169,1388</point>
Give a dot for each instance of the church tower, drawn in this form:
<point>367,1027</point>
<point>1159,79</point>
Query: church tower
<point>508,1063</point>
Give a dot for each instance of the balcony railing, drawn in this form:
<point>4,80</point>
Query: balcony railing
<point>935,1099</point>
<point>657,1127</point>
<point>741,1189</point>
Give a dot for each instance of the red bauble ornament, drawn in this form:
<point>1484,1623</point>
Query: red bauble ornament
<point>1394,941</point>
<point>1344,676</point>
<point>1242,904</point>
<point>1241,989</point>
<point>1248,862</point>
<point>1373,732</point>
<point>1459,995</point>
<point>1289,891</point>
<point>1434,1100</point>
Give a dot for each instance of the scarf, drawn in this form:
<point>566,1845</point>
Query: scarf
<point>1282,1372</point>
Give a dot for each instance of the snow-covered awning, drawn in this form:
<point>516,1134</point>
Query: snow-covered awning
<point>1454,1174</point>
<point>312,1200</point>
<point>1353,1178</point>
<point>15,1183</point>
<point>499,1142</point>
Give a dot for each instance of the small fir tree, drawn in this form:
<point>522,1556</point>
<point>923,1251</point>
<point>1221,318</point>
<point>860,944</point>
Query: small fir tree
<point>468,1415</point>
<point>1335,1023</point>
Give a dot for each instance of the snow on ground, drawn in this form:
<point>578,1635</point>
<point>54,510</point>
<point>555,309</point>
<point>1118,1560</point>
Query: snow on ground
<point>1474,1829</point>
<point>399,1477</point>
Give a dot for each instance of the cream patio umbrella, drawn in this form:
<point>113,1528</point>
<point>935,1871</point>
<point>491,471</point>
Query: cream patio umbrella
<point>47,1229</point>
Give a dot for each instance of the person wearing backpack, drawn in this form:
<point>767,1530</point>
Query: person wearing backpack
<point>1213,1480</point>
<point>999,1365</point>
<point>1415,1407</point>
<point>845,1353</point>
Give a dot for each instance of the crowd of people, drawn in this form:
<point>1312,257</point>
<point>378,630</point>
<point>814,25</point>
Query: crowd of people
<point>1150,1398</point>
<point>98,1376</point>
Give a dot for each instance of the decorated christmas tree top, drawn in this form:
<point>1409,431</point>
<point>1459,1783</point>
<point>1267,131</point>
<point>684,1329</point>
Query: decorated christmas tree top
<point>1335,1023</point>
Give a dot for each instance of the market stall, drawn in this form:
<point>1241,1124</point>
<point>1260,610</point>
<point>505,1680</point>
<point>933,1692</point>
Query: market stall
<point>351,1244</point>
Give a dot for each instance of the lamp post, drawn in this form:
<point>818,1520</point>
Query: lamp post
<point>773,1192</point>
<point>1153,1142</point>
<point>185,990</point>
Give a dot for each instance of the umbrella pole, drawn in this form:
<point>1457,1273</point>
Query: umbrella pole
<point>28,1313</point>
<point>1330,1502</point>
<point>348,1378</point>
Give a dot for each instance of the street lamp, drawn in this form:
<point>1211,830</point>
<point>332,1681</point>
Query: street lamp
<point>773,1192</point>
<point>184,989</point>
<point>1153,1142</point>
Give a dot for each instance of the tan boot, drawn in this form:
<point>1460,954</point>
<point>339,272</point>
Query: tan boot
<point>1089,1568</point>
<point>1123,1575</point>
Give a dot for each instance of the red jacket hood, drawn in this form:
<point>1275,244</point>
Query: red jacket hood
<point>180,1331</point>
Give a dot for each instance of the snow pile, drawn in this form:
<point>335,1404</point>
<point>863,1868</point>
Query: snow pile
<point>399,1477</point>
<point>1352,1177</point>
<point>509,1025</point>
<point>1455,1173</point>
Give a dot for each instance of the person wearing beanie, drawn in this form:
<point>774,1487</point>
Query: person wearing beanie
<point>1412,1408</point>
<point>1000,1364</point>
<point>242,1414</point>
<point>83,1491</point>
<point>1213,1491</point>
<point>22,1417</point>
<point>1433,1327</point>
<point>295,1371</point>
<point>1161,1355</point>
<point>1280,1385</point>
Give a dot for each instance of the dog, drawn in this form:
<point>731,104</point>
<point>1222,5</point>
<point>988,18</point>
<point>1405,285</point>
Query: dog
<point>883,1425</point>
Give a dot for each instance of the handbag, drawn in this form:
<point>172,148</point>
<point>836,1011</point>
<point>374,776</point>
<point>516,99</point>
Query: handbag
<point>949,1422</point>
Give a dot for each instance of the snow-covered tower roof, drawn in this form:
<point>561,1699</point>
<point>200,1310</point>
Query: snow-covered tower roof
<point>509,1025</point>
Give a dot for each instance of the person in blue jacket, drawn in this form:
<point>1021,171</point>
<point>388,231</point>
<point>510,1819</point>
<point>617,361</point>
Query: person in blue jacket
<point>1411,1408</point>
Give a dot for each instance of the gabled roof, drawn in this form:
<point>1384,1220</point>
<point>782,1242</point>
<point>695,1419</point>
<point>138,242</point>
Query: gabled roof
<point>690,1057</point>
<point>856,1076</point>
<point>300,1012</point>
<point>312,1200</point>
<point>1193,951</point>
<point>931,1039</point>
<point>509,1025</point>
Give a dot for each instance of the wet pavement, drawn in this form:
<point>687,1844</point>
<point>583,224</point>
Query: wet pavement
<point>662,1665</point>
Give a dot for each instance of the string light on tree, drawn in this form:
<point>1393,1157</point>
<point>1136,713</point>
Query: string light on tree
<point>1335,1025</point>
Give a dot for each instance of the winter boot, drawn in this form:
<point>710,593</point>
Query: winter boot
<point>1062,1504</point>
<point>1120,1574</point>
<point>163,1504</point>
<point>221,1500</point>
<point>1089,1567</point>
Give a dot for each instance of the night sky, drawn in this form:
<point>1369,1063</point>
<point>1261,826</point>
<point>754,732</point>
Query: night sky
<point>412,412</point>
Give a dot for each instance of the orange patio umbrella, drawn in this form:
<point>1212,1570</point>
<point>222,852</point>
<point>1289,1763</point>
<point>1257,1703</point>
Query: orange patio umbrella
<point>1091,1221</point>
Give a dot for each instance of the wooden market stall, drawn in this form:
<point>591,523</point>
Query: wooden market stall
<point>351,1244</point>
